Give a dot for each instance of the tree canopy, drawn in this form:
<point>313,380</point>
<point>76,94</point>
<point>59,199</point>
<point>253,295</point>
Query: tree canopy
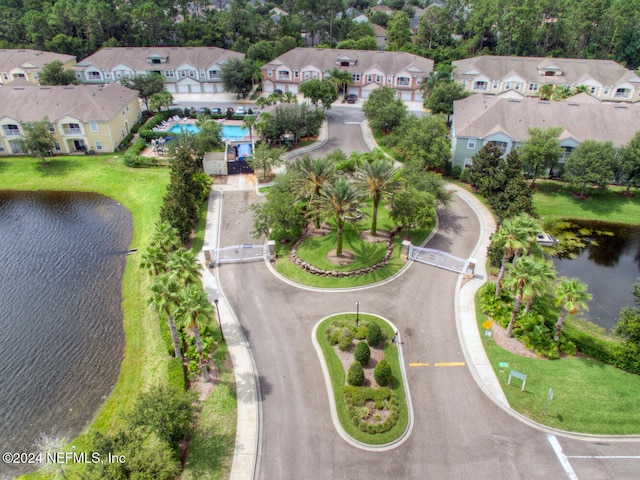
<point>146,85</point>
<point>383,110</point>
<point>53,73</point>
<point>591,163</point>
<point>37,139</point>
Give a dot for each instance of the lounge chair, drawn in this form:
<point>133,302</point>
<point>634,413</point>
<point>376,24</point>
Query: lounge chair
<point>176,118</point>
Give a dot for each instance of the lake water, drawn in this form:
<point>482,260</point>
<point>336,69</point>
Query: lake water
<point>610,269</point>
<point>61,337</point>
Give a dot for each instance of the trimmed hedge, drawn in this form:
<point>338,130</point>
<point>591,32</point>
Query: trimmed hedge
<point>175,374</point>
<point>385,399</point>
<point>374,335</point>
<point>382,373</point>
<point>146,131</point>
<point>133,159</point>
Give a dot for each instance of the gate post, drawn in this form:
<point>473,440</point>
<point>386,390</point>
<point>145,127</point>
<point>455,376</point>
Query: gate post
<point>270,249</point>
<point>470,268</point>
<point>405,249</point>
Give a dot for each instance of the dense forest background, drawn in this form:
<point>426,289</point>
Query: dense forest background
<point>455,29</point>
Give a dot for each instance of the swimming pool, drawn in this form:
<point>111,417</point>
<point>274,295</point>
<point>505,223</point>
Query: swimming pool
<point>229,132</point>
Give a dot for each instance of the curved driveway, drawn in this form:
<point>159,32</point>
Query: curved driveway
<point>458,432</point>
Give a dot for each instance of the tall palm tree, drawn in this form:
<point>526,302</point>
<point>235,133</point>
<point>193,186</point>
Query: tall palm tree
<point>378,178</point>
<point>543,273</point>
<point>154,260</point>
<point>166,237</point>
<point>519,277</point>
<point>289,97</point>
<point>342,200</point>
<point>249,122</point>
<point>193,310</point>
<point>163,293</point>
<point>516,234</point>
<point>184,266</point>
<point>314,174</point>
<point>341,79</point>
<point>571,296</point>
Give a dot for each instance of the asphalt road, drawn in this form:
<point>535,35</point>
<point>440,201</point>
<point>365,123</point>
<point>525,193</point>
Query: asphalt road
<point>458,432</point>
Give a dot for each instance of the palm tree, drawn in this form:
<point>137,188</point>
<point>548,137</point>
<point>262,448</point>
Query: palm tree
<point>249,122</point>
<point>519,277</point>
<point>289,97</point>
<point>315,173</point>
<point>166,237</point>
<point>379,179</point>
<point>164,291</point>
<point>515,234</point>
<point>154,260</point>
<point>545,91</point>
<point>341,79</point>
<point>184,266</point>
<point>571,295</point>
<point>343,200</point>
<point>262,102</point>
<point>542,273</point>
<point>193,309</point>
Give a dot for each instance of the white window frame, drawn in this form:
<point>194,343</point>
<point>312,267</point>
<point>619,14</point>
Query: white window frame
<point>389,79</point>
<point>98,145</point>
<point>213,74</point>
<point>495,84</point>
<point>307,76</point>
<point>507,86</point>
<point>270,72</point>
<point>369,78</point>
<point>296,74</point>
<point>471,144</point>
<point>403,81</point>
<point>533,87</point>
<point>1,147</point>
<point>93,126</point>
<point>378,78</point>
<point>478,84</point>
<point>56,146</point>
<point>356,77</point>
<point>606,91</point>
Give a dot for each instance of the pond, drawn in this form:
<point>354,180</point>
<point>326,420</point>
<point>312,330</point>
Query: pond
<point>610,267</point>
<point>63,257</point>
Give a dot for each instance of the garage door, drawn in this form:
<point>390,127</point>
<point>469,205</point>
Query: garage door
<point>418,97</point>
<point>183,88</point>
<point>170,87</point>
<point>366,93</point>
<point>267,87</point>
<point>293,88</point>
<point>196,88</point>
<point>405,96</point>
<point>208,88</point>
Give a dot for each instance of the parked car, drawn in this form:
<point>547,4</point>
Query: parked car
<point>241,111</point>
<point>278,91</point>
<point>202,111</point>
<point>352,98</point>
<point>216,111</point>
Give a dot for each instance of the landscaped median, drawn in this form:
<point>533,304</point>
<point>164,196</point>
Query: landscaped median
<point>357,353</point>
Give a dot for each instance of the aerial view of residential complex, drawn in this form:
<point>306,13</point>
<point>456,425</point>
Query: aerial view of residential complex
<point>248,239</point>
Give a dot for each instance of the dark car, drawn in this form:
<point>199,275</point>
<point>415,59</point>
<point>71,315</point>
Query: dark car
<point>278,91</point>
<point>203,111</point>
<point>352,98</point>
<point>216,111</point>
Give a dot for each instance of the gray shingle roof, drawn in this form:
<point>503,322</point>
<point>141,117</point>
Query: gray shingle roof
<point>325,59</point>
<point>84,102</point>
<point>136,57</point>
<point>575,70</point>
<point>26,58</point>
<point>478,116</point>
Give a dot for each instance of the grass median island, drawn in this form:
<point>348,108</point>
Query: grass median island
<point>589,396</point>
<point>338,375</point>
<point>314,250</point>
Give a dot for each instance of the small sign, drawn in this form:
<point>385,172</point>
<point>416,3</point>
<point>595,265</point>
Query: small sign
<point>518,375</point>
<point>487,325</point>
<point>503,364</point>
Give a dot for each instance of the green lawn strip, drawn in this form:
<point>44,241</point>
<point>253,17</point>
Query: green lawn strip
<point>337,374</point>
<point>555,200</point>
<point>588,396</point>
<point>365,253</point>
<point>382,144</point>
<point>141,192</point>
<point>198,239</point>
<point>211,448</point>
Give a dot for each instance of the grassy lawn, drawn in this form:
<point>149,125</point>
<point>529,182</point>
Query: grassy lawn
<point>314,250</point>
<point>141,192</point>
<point>555,200</point>
<point>210,452</point>
<point>588,396</point>
<point>337,374</point>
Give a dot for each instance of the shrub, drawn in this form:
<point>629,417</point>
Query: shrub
<point>362,353</point>
<point>382,373</point>
<point>132,156</point>
<point>175,374</point>
<point>355,375</point>
<point>360,332</point>
<point>464,175</point>
<point>568,347</point>
<point>374,334</point>
<point>456,171</point>
<point>333,337</point>
<point>356,399</point>
<point>346,339</point>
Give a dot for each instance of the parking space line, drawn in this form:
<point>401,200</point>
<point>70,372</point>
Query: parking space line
<point>564,461</point>
<point>450,364</point>
<point>418,364</point>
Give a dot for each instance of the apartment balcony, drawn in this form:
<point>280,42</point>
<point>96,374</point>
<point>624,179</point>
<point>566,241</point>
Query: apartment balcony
<point>72,131</point>
<point>11,133</point>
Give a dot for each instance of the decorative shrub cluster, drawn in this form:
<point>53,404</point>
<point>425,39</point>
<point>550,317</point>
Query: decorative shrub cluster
<point>382,373</point>
<point>355,375</point>
<point>346,339</point>
<point>374,334</point>
<point>356,399</point>
<point>362,353</point>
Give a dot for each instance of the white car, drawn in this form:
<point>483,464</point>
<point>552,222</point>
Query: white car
<point>240,111</point>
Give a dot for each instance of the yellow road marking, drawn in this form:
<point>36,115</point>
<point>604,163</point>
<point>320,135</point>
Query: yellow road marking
<point>450,364</point>
<point>418,364</point>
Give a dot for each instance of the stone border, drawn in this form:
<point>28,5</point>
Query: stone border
<point>293,256</point>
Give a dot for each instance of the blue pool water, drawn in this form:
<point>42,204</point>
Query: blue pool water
<point>229,132</point>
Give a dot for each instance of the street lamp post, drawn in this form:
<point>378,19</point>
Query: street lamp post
<point>357,312</point>
<point>219,321</point>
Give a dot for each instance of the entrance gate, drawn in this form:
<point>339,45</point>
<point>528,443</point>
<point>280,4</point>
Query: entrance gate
<point>245,252</point>
<point>438,259</point>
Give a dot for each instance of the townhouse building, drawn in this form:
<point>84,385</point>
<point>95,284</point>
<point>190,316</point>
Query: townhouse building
<point>184,69</point>
<point>505,122</point>
<point>83,118</point>
<point>370,69</point>
<point>605,80</point>
<point>25,64</point>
